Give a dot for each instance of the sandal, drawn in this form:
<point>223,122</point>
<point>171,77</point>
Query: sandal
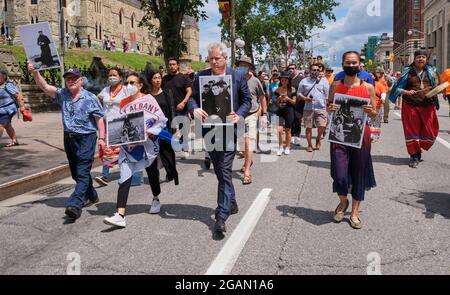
<point>339,215</point>
<point>355,225</point>
<point>247,180</point>
<point>12,143</point>
<point>243,167</point>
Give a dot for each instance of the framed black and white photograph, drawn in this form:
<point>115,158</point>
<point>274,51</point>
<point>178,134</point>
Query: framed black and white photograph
<point>39,46</point>
<point>126,129</point>
<point>349,121</point>
<point>216,98</point>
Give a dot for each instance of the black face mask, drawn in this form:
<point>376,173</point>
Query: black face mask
<point>352,71</point>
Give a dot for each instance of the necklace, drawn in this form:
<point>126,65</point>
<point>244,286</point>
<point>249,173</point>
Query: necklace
<point>113,95</point>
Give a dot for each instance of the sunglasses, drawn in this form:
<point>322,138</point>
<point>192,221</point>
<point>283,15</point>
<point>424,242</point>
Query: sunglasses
<point>130,82</point>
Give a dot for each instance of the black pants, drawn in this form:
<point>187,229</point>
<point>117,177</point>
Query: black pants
<point>297,125</point>
<point>167,155</point>
<point>153,178</point>
<point>288,114</point>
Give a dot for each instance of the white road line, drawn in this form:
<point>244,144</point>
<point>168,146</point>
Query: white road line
<point>438,139</point>
<point>227,257</point>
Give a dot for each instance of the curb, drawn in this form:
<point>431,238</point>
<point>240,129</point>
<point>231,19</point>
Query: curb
<point>29,183</point>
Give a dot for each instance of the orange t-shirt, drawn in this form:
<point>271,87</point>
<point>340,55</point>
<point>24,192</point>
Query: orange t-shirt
<point>446,78</point>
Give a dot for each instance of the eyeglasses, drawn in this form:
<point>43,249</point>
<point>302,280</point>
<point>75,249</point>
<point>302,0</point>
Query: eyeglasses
<point>129,82</point>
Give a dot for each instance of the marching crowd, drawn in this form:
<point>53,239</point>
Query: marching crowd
<point>285,100</point>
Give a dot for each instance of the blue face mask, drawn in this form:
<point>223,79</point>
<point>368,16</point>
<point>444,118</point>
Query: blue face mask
<point>243,70</point>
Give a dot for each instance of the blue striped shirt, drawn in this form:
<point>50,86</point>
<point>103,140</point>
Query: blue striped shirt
<point>7,101</point>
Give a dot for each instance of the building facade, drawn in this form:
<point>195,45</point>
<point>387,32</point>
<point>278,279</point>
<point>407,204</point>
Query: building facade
<point>383,51</point>
<point>370,48</point>
<point>437,32</point>
<point>408,31</point>
<point>116,20</point>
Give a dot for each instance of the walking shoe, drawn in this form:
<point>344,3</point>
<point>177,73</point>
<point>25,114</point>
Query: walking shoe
<point>207,163</point>
<point>115,220</point>
<point>184,155</point>
<point>310,149</point>
<point>220,226</point>
<point>386,121</point>
<point>297,141</point>
<point>102,180</point>
<point>91,202</point>
<point>156,207</point>
<point>355,225</point>
<point>280,151</point>
<point>73,212</point>
<point>413,163</point>
<point>339,212</point>
<point>234,209</point>
<point>287,151</point>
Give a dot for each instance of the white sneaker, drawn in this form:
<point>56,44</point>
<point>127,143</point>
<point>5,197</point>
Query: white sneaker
<point>297,141</point>
<point>293,140</point>
<point>287,151</point>
<point>156,207</point>
<point>280,151</point>
<point>115,220</point>
<point>184,155</point>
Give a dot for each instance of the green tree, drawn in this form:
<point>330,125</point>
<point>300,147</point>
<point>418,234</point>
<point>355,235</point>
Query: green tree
<point>170,14</point>
<point>266,24</point>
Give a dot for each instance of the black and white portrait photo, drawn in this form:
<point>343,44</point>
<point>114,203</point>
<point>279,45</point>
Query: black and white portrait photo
<point>216,98</point>
<point>39,46</point>
<point>126,129</point>
<point>348,122</point>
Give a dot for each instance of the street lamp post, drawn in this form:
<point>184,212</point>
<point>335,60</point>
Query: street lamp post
<point>61,38</point>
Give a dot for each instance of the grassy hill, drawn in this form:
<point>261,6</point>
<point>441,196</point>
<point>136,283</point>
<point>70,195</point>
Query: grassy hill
<point>83,57</point>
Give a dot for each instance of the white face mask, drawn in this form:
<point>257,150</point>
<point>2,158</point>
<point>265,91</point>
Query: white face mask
<point>113,80</point>
<point>131,90</point>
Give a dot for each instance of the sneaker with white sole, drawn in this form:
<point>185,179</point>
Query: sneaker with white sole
<point>297,141</point>
<point>287,151</point>
<point>280,152</point>
<point>156,207</point>
<point>115,220</point>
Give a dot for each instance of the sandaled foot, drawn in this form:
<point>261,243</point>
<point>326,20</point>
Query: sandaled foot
<point>339,213</point>
<point>243,167</point>
<point>247,180</point>
<point>309,149</point>
<point>355,223</point>
<point>12,143</point>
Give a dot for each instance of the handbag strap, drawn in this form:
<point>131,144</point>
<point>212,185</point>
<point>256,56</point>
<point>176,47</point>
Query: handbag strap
<point>314,85</point>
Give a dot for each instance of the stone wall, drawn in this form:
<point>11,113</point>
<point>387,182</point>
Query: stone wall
<point>36,100</point>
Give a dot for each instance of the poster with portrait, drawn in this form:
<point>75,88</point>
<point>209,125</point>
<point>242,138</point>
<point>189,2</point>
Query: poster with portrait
<point>216,98</point>
<point>39,46</point>
<point>349,121</point>
<point>126,129</point>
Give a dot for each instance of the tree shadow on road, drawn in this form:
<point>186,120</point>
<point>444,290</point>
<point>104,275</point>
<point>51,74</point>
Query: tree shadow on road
<point>316,217</point>
<point>188,212</point>
<point>435,203</point>
<point>389,160</point>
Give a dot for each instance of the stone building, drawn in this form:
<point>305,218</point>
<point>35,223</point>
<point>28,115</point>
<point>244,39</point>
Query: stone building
<point>116,20</point>
<point>383,52</point>
<point>437,32</point>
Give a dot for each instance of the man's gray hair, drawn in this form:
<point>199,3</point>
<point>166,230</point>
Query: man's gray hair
<point>218,45</point>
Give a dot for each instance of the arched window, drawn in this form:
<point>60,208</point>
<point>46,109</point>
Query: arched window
<point>67,26</point>
<point>100,31</point>
<point>120,17</point>
<point>96,31</point>
<point>32,20</point>
<point>132,21</point>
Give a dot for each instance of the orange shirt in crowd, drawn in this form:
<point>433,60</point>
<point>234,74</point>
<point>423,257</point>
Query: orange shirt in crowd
<point>330,79</point>
<point>446,78</point>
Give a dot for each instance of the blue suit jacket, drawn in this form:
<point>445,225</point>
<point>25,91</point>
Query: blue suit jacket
<point>241,95</point>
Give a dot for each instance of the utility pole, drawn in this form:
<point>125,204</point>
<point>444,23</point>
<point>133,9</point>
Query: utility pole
<point>61,38</point>
<point>233,32</point>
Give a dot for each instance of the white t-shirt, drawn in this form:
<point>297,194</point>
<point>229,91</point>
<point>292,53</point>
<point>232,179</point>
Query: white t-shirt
<point>111,105</point>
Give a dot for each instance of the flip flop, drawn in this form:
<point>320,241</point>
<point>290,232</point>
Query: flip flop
<point>11,144</point>
<point>355,225</point>
<point>243,167</point>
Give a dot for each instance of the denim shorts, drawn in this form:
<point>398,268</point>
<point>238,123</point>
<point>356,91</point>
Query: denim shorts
<point>5,119</point>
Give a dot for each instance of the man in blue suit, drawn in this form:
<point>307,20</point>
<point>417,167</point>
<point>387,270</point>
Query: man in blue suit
<point>222,158</point>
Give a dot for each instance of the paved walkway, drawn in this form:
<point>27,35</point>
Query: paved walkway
<point>41,147</point>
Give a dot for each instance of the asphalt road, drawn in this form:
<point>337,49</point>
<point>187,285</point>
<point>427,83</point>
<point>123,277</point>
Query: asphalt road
<point>406,221</point>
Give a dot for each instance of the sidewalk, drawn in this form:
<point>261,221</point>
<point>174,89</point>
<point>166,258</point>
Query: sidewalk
<point>38,160</point>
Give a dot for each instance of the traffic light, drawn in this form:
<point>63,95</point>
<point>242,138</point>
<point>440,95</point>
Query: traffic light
<point>370,62</point>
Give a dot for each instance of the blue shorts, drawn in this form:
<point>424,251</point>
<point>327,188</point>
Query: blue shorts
<point>5,119</point>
